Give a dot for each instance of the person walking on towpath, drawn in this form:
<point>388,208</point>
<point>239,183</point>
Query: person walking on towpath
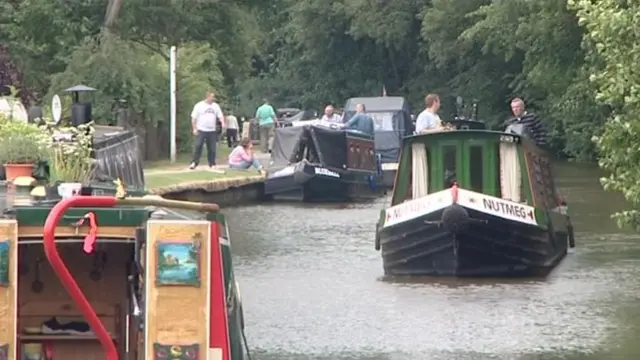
<point>204,119</point>
<point>232,129</point>
<point>267,120</point>
<point>360,121</point>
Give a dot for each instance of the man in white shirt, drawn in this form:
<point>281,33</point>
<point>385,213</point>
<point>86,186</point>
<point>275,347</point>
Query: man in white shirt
<point>428,120</point>
<point>330,116</point>
<point>232,129</point>
<point>204,118</point>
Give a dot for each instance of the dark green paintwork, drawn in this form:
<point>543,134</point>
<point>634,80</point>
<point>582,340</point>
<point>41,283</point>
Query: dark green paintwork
<point>34,215</point>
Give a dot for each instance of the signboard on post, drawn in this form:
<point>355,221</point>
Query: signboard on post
<point>56,109</point>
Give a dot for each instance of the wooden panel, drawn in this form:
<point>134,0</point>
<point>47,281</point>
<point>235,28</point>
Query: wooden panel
<point>361,154</point>
<point>107,295</point>
<point>9,287</point>
<point>69,231</point>
<point>176,314</point>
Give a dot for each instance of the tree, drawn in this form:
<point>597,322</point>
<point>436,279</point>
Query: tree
<point>614,43</point>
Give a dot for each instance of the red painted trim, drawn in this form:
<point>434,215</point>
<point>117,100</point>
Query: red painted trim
<point>51,251</point>
<point>218,321</point>
<point>454,193</point>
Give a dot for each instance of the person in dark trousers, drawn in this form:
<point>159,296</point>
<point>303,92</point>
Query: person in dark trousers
<point>232,129</point>
<point>530,120</point>
<point>206,117</point>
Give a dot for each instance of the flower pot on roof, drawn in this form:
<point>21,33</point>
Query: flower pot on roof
<point>22,145</point>
<point>70,157</point>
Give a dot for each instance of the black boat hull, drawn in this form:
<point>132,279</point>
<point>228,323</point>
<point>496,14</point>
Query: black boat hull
<point>487,246</point>
<point>307,186</point>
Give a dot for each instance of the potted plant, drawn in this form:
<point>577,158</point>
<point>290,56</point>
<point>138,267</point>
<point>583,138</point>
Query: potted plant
<point>70,160</point>
<point>21,146</point>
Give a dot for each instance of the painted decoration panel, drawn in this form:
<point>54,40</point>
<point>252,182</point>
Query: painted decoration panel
<point>5,247</point>
<point>176,352</point>
<point>178,263</point>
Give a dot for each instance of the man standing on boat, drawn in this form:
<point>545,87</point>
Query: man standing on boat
<point>204,120</point>
<point>330,116</point>
<point>428,121</point>
<point>361,121</point>
<point>529,120</point>
<point>267,120</point>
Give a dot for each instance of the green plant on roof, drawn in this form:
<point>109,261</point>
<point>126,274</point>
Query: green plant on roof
<point>70,152</point>
<point>21,143</point>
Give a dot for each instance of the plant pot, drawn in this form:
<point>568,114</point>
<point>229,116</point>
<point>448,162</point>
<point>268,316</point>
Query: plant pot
<point>16,170</point>
<point>69,189</point>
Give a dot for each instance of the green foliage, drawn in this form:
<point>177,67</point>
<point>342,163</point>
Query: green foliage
<point>21,143</point>
<point>69,152</point>
<point>612,41</point>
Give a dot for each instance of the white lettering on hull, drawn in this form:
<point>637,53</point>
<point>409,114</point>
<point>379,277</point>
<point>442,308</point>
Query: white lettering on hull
<point>412,209</point>
<point>326,172</point>
<point>498,207</point>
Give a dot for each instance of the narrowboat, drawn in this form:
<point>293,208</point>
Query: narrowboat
<point>101,277</point>
<point>392,121</point>
<point>473,202</point>
<point>314,162</point>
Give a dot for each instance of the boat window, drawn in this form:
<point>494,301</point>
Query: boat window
<point>450,168</point>
<point>476,167</point>
<point>382,121</point>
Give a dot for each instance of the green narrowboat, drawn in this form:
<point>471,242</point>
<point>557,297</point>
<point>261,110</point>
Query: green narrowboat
<point>116,277</point>
<point>473,202</point>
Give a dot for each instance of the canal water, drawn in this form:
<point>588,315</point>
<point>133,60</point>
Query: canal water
<point>312,288</point>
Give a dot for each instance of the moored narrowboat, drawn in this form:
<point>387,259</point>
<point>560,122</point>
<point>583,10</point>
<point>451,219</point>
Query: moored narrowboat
<point>318,163</point>
<point>473,202</point>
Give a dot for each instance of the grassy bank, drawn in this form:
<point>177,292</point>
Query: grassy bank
<point>157,179</point>
<point>183,160</point>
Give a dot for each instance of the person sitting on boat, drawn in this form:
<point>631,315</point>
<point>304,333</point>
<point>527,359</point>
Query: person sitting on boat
<point>242,157</point>
<point>360,121</point>
<point>330,116</point>
<point>428,121</point>
<point>529,120</point>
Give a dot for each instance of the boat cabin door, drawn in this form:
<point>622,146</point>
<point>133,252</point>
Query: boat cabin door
<point>472,164</point>
<point>184,291</point>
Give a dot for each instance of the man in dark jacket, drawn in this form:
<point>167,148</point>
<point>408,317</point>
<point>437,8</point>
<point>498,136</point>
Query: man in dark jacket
<point>529,120</point>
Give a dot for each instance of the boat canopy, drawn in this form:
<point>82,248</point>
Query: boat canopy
<point>392,121</point>
<point>315,143</point>
<point>500,164</point>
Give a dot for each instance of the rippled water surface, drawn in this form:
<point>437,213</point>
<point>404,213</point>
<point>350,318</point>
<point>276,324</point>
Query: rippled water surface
<point>312,289</point>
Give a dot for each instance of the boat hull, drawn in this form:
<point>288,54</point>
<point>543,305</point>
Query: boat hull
<point>306,185</point>
<point>486,245</point>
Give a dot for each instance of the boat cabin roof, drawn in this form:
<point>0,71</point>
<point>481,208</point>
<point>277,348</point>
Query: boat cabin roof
<point>495,163</point>
<point>113,223</point>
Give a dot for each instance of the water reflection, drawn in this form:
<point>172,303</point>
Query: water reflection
<point>311,287</point>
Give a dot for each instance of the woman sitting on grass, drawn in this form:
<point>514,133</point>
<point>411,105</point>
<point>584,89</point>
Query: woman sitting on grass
<point>242,157</point>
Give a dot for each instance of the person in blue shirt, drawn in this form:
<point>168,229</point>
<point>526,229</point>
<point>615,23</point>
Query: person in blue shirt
<point>360,121</point>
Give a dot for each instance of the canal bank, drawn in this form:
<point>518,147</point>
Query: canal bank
<point>223,186</point>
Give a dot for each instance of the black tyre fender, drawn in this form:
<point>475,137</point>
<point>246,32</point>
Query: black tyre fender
<point>455,219</point>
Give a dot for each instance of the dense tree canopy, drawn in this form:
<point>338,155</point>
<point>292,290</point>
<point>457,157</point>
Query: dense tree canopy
<point>313,52</point>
